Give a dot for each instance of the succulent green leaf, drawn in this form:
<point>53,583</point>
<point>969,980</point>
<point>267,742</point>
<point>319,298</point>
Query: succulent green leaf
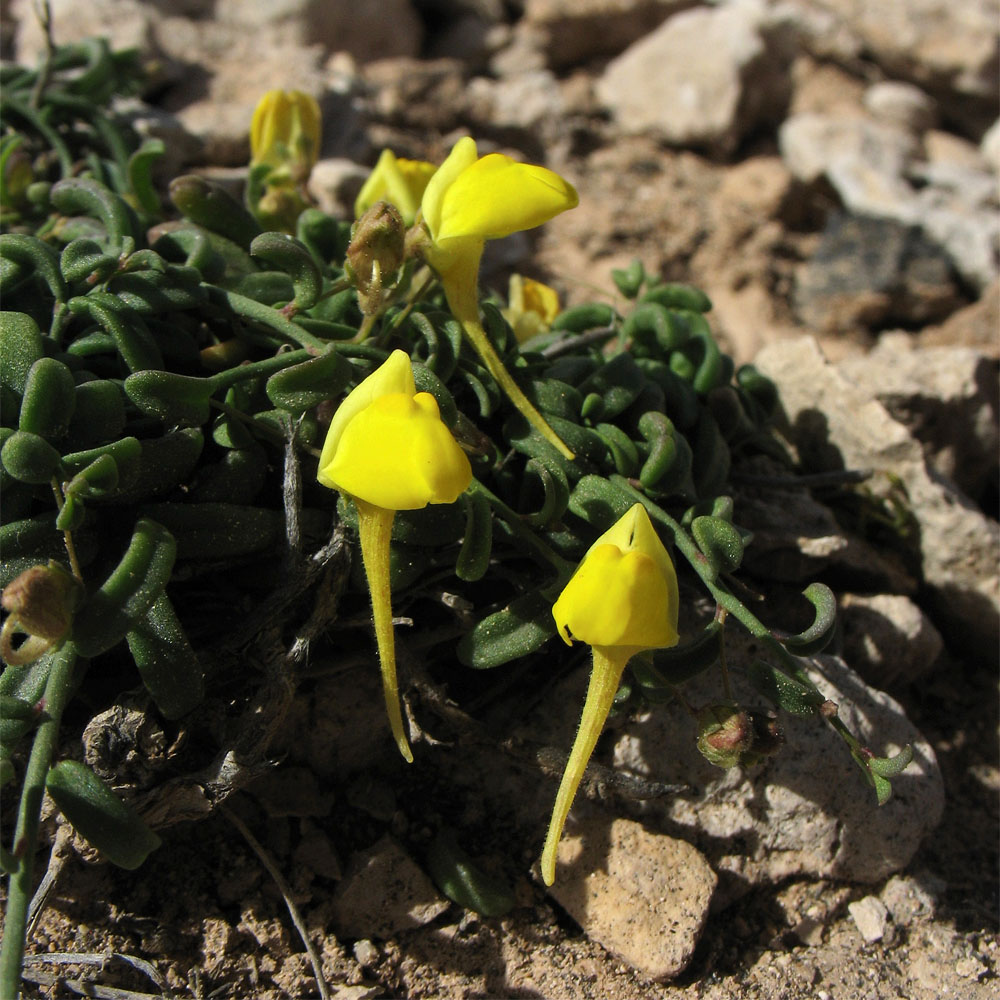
<point>516,630</point>
<point>781,690</point>
<point>463,881</point>
<point>815,638</point>
<point>99,816</point>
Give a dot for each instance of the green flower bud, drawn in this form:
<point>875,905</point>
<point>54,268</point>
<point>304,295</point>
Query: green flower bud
<point>725,733</point>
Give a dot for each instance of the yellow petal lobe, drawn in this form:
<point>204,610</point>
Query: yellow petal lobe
<point>397,453</point>
<point>497,196</point>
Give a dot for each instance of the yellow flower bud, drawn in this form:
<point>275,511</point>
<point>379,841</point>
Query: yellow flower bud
<point>398,181</point>
<point>621,600</point>
<point>285,133</point>
<point>531,307</point>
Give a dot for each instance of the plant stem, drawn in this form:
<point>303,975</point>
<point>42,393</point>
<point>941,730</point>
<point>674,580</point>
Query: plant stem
<point>57,692</point>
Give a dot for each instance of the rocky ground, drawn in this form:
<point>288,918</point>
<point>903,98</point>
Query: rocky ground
<point>827,172</point>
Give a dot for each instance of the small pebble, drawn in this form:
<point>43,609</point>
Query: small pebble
<point>366,953</point>
<point>871,917</point>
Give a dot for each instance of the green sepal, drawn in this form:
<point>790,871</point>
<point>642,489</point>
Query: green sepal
<point>99,816</point>
<point>781,690</point>
<point>515,631</point>
<point>817,637</point>
<point>128,592</point>
<point>48,400</point>
<point>463,881</point>
<point>169,667</point>
<point>287,254</point>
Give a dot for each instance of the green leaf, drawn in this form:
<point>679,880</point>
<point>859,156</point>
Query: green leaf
<point>516,630</point>
<point>782,690</point>
<point>99,816</point>
<point>463,881</point>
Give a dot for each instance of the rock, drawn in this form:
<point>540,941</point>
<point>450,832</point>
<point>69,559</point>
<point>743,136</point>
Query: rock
<point>870,917</point>
<point>656,86</point>
<point>990,146</point>
<point>900,104</point>
<point>572,31</point>
<point>335,184</point>
<point>949,50</point>
<point>887,638</point>
<point>124,23</point>
<point>872,273</point>
<point>835,423</point>
<point>947,397</point>
<point>368,31</point>
<point>384,892</point>
<point>974,326</point>
<point>907,899</point>
<point>865,161</point>
<point>806,811</point>
<point>529,101</point>
<point>641,895</point>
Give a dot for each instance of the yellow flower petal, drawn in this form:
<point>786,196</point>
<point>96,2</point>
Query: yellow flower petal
<point>397,454</point>
<point>285,130</point>
<point>624,592</point>
<point>497,196</point>
<point>394,375</point>
<point>399,181</point>
<point>463,154</point>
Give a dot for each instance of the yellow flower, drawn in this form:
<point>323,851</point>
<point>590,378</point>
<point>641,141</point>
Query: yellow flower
<point>285,132</point>
<point>621,600</point>
<point>531,307</point>
<point>389,450</point>
<point>398,181</point>
<point>470,200</point>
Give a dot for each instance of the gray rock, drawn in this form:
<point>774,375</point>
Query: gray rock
<point>949,49</point>
<point>641,895</point>
<point>527,101</point>
<point>910,897</point>
<point>873,273</point>
<point>901,104</point>
<point>656,85</point>
<point>368,31</point>
<point>865,161</point>
<point>384,892</point>
<point>834,422</point>
<point>572,31</point>
<point>887,638</point>
<point>948,398</point>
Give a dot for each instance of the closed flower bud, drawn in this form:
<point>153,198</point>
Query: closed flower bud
<point>375,252</point>
<point>40,603</point>
<point>285,133</point>
<point>531,307</point>
<point>398,181</point>
<point>725,733</point>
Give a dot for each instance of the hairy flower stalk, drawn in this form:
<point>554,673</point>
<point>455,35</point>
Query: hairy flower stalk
<point>388,449</point>
<point>621,600</point>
